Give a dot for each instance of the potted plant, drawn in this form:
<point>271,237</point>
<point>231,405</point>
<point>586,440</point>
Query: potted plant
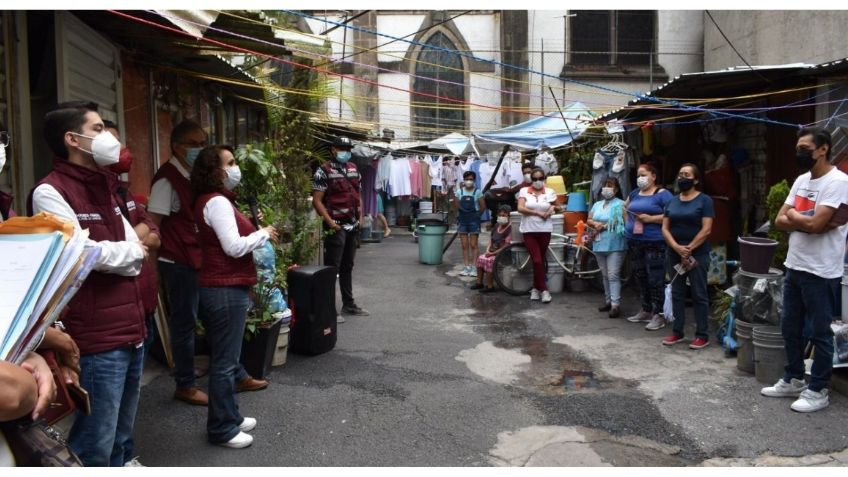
<point>260,332</point>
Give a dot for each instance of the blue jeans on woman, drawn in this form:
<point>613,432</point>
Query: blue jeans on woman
<point>610,264</point>
<point>647,260</point>
<point>223,313</point>
<point>809,300</point>
<point>700,295</point>
<point>113,380</point>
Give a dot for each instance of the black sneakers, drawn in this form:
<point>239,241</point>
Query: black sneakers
<point>354,310</point>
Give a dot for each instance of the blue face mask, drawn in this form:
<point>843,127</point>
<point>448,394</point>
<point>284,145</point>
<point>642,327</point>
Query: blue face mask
<point>191,155</point>
<point>343,156</point>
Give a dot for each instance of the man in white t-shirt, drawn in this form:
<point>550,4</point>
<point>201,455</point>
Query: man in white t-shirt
<point>813,270</point>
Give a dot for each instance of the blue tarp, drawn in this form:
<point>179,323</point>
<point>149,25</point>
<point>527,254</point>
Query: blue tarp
<point>541,131</point>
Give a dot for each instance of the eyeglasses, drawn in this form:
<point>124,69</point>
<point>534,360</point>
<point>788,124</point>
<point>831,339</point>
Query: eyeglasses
<point>194,143</point>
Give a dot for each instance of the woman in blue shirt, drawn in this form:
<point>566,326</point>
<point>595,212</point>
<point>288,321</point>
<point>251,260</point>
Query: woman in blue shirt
<point>646,245</point>
<point>607,217</point>
<point>686,226</point>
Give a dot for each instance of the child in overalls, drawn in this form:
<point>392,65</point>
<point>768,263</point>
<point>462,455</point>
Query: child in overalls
<point>469,201</point>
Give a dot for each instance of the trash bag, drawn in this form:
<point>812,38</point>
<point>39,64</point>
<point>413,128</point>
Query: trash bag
<point>276,302</point>
<point>265,261</point>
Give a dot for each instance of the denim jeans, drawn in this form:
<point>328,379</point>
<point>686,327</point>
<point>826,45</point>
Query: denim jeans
<point>182,289</point>
<point>647,260</point>
<point>223,313</point>
<point>610,264</point>
<point>112,379</point>
<point>339,252</point>
<point>808,300</point>
<point>700,295</point>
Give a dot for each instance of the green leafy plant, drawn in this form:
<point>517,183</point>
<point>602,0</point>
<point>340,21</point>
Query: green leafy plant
<point>259,315</point>
<point>774,201</point>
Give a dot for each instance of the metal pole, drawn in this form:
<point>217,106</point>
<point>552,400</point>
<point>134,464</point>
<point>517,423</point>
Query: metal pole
<point>563,117</point>
<point>341,63</point>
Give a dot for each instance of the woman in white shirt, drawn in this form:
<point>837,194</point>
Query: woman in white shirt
<point>226,276</point>
<point>536,205</point>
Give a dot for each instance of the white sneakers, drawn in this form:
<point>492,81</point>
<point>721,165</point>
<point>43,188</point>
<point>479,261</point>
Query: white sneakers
<point>811,401</point>
<point>808,400</point>
<point>469,271</point>
<point>248,424</point>
<point>641,317</point>
<point>534,294</point>
<point>657,323</point>
<point>242,440</point>
<point>546,296</point>
<point>784,389</point>
<point>134,463</point>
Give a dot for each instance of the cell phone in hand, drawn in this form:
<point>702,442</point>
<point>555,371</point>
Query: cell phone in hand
<point>80,397</point>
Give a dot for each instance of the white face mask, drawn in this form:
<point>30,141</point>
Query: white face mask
<point>642,182</point>
<point>233,177</point>
<point>503,220</point>
<point>469,184</point>
<point>105,148</point>
<point>608,193</point>
<point>538,185</point>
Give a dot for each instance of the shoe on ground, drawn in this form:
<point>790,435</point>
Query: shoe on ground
<point>134,463</point>
<point>251,384</point>
<point>811,401</point>
<point>657,323</point>
<point>793,388</point>
<point>465,272</point>
<point>340,319</point>
<point>641,317</point>
<point>615,312</point>
<point>240,441</point>
<point>699,343</point>
<point>472,271</point>
<point>534,294</point>
<point>606,307</point>
<point>487,290</point>
<point>248,424</point>
<point>476,286</point>
<point>672,340</point>
<point>193,396</point>
<point>354,310</point>
<point>546,296</point>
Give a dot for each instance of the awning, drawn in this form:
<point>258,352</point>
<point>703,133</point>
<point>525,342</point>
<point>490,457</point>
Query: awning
<point>456,143</point>
<point>544,131</point>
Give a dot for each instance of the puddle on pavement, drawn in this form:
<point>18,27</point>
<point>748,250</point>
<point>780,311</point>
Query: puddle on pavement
<point>554,368</point>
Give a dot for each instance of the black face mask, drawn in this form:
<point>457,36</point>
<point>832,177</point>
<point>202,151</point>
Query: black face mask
<point>685,183</point>
<point>804,159</point>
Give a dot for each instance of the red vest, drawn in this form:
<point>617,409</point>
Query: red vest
<point>148,282</point>
<point>106,313</point>
<point>342,195</point>
<point>219,269</point>
<point>179,232</point>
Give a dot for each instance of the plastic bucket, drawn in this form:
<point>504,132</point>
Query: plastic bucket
<point>431,241</point>
<point>281,352</point>
<point>555,278</point>
<point>559,223</point>
<point>366,233</point>
<point>755,253</point>
<point>745,353</point>
<point>556,183</point>
<point>769,354</point>
<point>571,219</point>
<point>577,202</point>
<point>515,221</point>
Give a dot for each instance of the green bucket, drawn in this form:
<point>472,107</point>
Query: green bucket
<point>431,241</point>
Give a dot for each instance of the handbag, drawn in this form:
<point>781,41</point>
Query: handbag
<point>36,444</point>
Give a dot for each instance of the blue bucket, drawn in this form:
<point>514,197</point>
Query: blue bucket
<point>577,202</point>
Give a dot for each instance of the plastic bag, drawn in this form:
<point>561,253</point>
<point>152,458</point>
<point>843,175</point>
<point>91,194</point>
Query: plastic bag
<point>265,261</point>
<point>276,302</point>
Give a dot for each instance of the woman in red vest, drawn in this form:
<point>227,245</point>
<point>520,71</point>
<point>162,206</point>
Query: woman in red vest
<point>227,273</point>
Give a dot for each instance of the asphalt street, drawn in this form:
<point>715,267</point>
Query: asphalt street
<point>440,375</point>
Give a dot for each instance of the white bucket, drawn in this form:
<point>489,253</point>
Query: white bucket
<point>515,221</point>
<point>281,351</point>
<point>425,207</point>
<point>555,278</point>
<point>559,223</point>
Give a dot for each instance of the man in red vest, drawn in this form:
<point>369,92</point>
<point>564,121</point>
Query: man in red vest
<point>336,197</point>
<point>106,317</point>
<point>170,208</point>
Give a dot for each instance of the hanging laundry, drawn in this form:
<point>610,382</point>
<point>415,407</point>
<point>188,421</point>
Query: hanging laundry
<point>435,170</point>
<point>399,183</point>
<point>426,182</point>
<point>384,172</point>
<point>547,162</point>
<point>415,176</point>
<point>369,191</point>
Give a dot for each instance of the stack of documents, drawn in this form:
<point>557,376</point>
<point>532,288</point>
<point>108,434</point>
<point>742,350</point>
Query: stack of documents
<point>43,263</point>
